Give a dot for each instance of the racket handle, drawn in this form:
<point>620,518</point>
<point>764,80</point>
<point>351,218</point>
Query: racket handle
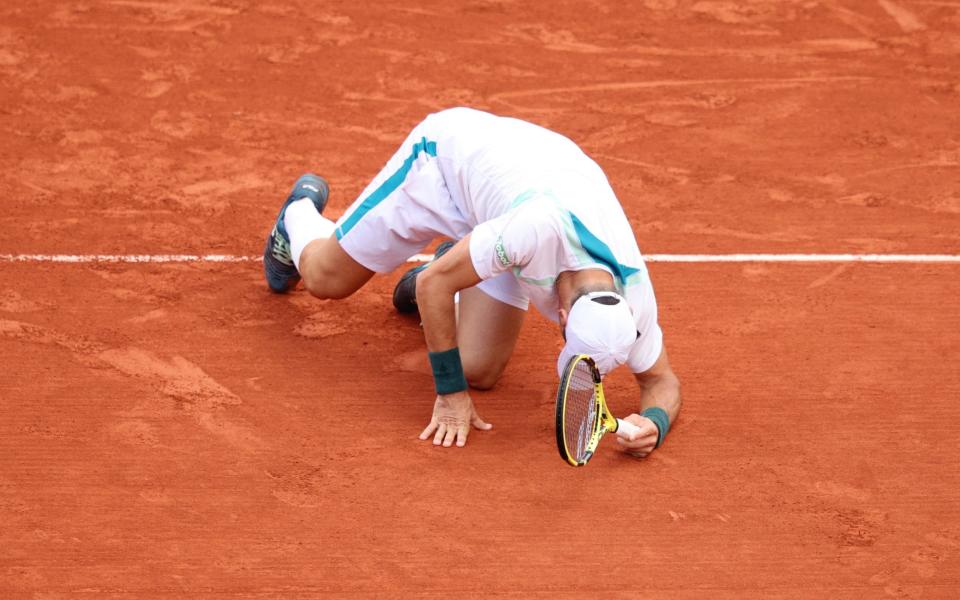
<point>626,429</point>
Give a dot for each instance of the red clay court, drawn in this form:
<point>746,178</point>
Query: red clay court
<point>171,429</point>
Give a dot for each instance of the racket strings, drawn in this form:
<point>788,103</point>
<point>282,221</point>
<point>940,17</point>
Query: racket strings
<point>580,414</point>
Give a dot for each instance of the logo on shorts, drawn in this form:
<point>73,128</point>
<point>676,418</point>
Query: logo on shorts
<point>502,253</point>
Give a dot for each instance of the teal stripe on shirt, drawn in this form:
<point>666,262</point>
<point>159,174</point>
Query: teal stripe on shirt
<point>387,187</point>
<point>599,251</point>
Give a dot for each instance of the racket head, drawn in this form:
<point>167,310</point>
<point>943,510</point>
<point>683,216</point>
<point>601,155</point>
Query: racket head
<point>580,417</point>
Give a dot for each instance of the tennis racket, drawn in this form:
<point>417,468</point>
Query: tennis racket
<point>582,414</point>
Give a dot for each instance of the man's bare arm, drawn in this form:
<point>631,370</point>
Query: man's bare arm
<point>436,287</point>
<point>659,388</point>
<point>453,413</point>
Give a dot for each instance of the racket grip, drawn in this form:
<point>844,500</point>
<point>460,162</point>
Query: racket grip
<point>626,429</point>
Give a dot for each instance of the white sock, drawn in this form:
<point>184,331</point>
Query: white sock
<point>304,224</point>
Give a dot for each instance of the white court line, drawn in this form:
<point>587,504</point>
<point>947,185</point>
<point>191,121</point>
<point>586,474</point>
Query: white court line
<point>807,258</point>
<point>659,258</point>
<point>125,258</point>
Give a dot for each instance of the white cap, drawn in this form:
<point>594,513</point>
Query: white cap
<point>601,326</point>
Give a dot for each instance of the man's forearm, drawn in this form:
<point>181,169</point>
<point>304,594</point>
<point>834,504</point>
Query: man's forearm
<point>435,300</point>
<point>663,392</point>
<point>436,287</point>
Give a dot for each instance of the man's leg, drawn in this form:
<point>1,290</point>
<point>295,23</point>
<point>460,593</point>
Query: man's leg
<point>302,245</point>
<point>487,332</point>
<point>405,206</point>
<point>329,272</point>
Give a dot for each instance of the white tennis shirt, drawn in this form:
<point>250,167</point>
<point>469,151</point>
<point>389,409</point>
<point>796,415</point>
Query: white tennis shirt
<point>539,206</point>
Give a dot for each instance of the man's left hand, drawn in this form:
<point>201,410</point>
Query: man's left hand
<point>643,443</point>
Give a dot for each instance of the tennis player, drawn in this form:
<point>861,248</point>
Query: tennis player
<point>535,220</point>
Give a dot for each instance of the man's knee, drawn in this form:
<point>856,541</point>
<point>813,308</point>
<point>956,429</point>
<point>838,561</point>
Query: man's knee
<point>327,286</point>
<point>484,381</point>
<point>482,376</point>
<point>329,273</point>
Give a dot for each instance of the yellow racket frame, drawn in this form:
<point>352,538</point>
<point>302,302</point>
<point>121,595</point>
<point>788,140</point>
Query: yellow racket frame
<point>605,421</point>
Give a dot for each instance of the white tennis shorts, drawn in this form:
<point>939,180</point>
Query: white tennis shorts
<point>404,208</point>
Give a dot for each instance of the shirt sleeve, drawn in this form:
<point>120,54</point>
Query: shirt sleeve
<point>512,240</point>
<point>649,345</point>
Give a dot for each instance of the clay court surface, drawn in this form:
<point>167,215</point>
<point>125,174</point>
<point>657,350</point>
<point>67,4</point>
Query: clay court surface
<point>174,430</point>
